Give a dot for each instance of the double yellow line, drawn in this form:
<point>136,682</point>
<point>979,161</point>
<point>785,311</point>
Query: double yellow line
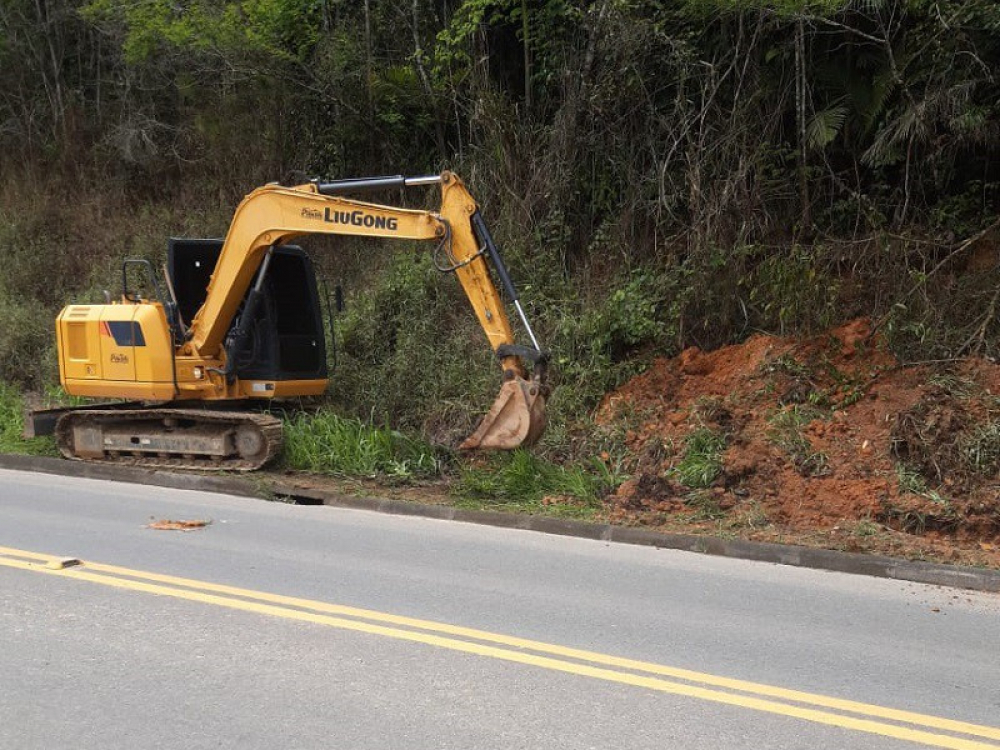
<point>888,722</point>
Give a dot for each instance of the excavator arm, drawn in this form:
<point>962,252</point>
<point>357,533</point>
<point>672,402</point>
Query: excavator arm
<point>274,215</point>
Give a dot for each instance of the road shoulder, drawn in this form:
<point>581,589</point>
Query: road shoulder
<point>976,579</point>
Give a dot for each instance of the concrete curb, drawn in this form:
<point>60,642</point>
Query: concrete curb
<point>976,579</point>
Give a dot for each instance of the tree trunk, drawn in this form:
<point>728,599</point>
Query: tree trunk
<point>425,82</point>
<point>800,116</point>
<point>526,41</point>
<point>56,102</point>
<point>370,114</point>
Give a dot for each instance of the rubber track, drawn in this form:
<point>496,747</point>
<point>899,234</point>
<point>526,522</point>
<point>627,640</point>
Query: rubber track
<point>271,427</point>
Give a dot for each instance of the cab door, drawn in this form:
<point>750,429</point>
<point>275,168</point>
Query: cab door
<point>119,337</point>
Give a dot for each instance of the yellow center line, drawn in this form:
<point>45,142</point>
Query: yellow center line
<point>550,649</point>
<point>268,604</point>
<point>11,552</point>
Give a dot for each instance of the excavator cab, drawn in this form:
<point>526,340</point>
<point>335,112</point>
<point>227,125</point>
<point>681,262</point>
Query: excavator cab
<point>285,339</point>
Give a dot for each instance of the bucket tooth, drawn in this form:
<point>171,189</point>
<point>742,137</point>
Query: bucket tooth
<point>517,418</point>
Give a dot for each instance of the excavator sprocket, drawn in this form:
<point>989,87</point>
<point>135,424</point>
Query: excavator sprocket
<point>199,439</point>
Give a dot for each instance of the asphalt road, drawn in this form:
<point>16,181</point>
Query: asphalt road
<point>129,656</point>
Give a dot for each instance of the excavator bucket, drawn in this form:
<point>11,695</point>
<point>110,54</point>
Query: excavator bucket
<point>517,418</point>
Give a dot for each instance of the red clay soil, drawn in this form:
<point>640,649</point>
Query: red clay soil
<point>828,441</point>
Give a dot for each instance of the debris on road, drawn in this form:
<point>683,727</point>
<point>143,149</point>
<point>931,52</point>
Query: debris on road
<point>168,525</point>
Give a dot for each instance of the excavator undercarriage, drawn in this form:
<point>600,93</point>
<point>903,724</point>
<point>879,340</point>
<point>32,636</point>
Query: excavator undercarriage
<point>198,439</point>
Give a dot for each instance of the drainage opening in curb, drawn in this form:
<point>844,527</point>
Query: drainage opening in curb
<point>298,499</point>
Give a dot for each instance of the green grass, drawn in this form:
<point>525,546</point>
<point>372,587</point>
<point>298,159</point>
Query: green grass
<point>981,449</point>
<point>866,527</point>
<point>330,444</point>
<point>12,427</point>
<point>912,483</point>
<point>749,515</point>
<point>786,432</point>
<point>954,385</point>
<point>702,460</point>
<point>521,481</point>
<point>918,520</point>
<point>787,364</point>
<point>705,506</point>
<point>517,481</point>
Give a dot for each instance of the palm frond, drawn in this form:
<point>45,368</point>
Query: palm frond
<point>825,126</point>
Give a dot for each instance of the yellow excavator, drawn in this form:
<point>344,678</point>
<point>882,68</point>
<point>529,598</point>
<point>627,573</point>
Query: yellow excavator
<point>238,323</point>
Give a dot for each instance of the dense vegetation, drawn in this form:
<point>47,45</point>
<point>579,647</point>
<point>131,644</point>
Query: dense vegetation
<point>660,173</point>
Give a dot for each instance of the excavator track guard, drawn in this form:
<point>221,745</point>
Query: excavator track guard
<point>199,439</point>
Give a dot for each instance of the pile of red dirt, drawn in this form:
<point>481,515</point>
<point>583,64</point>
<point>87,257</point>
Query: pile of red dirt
<point>827,439</point>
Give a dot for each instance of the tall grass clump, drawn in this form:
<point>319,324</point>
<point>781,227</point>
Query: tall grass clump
<point>981,449</point>
<point>702,461</point>
<point>12,426</point>
<point>330,444</point>
<point>523,480</point>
